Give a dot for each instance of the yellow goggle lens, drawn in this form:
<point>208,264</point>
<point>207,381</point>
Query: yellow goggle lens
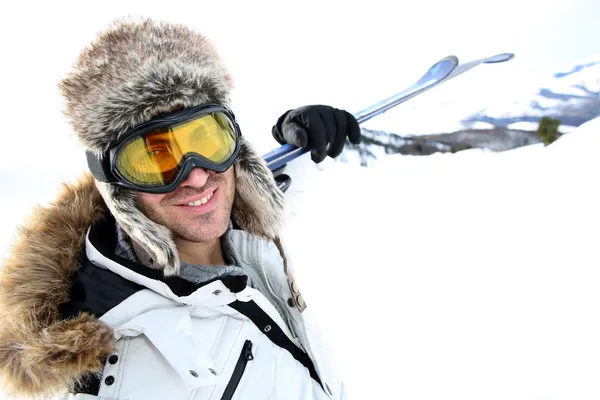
<point>155,158</point>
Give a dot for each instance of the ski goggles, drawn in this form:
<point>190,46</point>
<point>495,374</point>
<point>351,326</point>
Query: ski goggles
<point>156,156</point>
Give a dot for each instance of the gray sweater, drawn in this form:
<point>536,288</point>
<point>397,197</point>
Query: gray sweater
<point>191,272</point>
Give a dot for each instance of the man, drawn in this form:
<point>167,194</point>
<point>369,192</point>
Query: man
<point>161,275</point>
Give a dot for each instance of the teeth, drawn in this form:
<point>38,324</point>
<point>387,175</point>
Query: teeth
<point>201,201</point>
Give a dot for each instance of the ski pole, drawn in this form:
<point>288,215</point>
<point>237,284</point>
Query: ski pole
<point>443,70</point>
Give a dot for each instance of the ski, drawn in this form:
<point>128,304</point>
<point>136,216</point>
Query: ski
<point>462,68</point>
<point>443,70</point>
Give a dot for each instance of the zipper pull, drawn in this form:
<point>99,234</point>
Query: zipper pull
<point>248,351</point>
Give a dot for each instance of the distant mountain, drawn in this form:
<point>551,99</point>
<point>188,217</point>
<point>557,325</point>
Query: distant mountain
<point>377,143</point>
<point>572,95</point>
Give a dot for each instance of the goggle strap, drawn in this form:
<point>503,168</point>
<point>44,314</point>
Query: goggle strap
<point>99,167</point>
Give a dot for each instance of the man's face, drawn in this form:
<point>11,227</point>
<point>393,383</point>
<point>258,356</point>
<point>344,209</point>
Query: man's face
<point>198,222</point>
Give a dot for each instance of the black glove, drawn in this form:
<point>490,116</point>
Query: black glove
<point>322,129</point>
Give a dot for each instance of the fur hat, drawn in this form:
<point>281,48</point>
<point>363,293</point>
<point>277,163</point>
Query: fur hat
<point>136,70</point>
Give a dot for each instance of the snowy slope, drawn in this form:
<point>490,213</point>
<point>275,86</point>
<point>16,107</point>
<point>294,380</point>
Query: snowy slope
<point>571,94</point>
<point>465,276</point>
<point>532,126</point>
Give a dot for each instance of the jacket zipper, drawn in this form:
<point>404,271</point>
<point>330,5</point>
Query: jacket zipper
<point>245,356</point>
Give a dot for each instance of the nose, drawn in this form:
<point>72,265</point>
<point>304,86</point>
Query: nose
<point>197,177</point>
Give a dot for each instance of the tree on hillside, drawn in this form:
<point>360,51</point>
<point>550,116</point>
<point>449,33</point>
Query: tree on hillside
<point>548,130</point>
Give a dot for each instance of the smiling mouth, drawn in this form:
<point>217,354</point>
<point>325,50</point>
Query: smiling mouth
<point>201,205</point>
<point>203,200</point>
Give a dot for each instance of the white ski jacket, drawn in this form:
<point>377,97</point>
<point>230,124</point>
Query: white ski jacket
<point>87,324</point>
<point>213,342</point>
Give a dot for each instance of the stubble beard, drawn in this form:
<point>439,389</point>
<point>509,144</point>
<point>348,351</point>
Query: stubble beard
<point>201,227</point>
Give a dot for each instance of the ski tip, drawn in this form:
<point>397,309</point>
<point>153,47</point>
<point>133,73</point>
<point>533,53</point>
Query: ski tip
<point>439,71</point>
<point>498,58</point>
<point>451,58</point>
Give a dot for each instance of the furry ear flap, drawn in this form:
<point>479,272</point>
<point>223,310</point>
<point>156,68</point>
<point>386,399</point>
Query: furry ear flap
<point>258,207</point>
<point>155,239</point>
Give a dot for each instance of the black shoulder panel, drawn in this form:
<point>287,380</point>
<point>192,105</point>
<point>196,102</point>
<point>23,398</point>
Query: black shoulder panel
<point>96,290</point>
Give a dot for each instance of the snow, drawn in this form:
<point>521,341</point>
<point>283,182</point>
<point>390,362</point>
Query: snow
<point>479,125</point>
<point>568,81</point>
<point>473,275</point>
<point>585,71</point>
<point>533,126</point>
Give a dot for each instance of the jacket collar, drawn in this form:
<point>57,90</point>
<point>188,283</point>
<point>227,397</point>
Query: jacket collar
<point>101,241</point>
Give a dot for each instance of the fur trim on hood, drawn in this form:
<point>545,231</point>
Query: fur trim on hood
<point>139,69</point>
<point>40,352</point>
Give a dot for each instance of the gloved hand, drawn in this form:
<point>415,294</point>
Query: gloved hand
<point>322,129</point>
